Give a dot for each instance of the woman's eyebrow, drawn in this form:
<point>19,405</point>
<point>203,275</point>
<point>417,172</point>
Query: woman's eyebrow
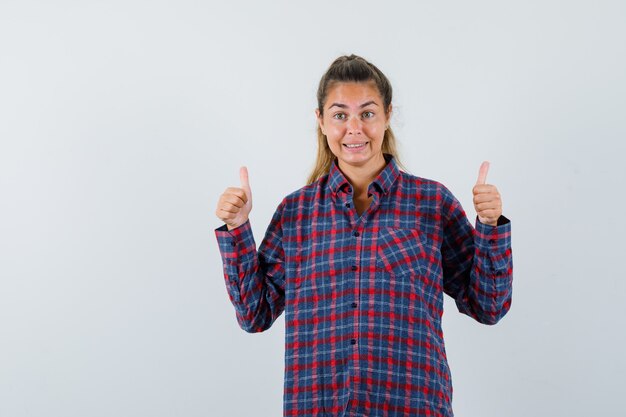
<point>343,106</point>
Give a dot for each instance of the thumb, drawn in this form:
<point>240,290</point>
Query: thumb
<point>482,173</point>
<point>243,177</point>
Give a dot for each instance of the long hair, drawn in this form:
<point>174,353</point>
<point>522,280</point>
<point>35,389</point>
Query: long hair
<point>350,68</point>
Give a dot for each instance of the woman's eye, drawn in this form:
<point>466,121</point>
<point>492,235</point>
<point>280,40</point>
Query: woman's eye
<point>368,114</point>
<point>339,116</point>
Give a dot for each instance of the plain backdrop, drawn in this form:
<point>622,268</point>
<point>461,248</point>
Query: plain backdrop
<point>121,123</point>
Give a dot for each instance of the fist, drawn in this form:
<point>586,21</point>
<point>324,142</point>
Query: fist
<point>235,203</point>
<point>487,201</point>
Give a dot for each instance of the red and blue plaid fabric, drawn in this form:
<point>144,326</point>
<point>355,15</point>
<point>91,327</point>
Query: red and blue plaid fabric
<point>363,295</point>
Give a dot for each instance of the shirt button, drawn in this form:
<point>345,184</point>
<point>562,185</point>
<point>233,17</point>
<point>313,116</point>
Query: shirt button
<point>354,305</point>
<point>348,205</point>
<point>492,241</point>
<point>233,243</point>
<point>353,341</point>
<point>356,234</point>
<point>354,267</point>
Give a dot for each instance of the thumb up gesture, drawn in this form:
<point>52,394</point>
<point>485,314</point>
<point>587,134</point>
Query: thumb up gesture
<point>235,203</point>
<point>487,200</point>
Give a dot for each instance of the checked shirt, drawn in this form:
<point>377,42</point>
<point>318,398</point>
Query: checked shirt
<point>363,295</point>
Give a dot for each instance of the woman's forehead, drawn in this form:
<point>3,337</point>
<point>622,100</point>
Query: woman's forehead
<point>353,93</point>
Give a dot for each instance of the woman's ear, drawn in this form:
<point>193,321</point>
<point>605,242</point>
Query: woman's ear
<point>320,120</point>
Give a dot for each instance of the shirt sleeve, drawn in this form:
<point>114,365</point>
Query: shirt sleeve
<point>255,280</point>
<point>477,263</point>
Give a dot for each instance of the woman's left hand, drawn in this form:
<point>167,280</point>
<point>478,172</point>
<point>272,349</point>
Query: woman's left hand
<point>487,201</point>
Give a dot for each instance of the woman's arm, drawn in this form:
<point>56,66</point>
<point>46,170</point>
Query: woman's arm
<point>255,280</point>
<point>477,263</point>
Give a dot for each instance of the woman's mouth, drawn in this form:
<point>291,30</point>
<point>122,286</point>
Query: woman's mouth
<point>355,146</point>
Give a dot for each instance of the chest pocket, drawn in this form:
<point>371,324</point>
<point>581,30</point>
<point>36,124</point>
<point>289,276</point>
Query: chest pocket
<point>400,251</point>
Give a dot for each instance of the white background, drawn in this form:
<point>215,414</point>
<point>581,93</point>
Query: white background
<point>121,123</point>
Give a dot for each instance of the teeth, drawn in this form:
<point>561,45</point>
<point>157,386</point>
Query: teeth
<point>355,145</point>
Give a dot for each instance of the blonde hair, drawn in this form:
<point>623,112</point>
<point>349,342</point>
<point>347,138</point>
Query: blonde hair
<point>350,68</point>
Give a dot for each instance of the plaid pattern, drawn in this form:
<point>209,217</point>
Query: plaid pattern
<point>363,295</point>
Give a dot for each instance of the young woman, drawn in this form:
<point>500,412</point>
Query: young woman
<point>359,260</point>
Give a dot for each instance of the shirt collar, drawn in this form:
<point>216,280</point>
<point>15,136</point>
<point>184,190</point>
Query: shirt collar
<point>384,180</point>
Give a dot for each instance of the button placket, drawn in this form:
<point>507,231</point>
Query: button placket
<point>356,234</point>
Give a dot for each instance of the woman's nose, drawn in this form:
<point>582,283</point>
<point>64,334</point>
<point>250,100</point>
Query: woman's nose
<point>354,126</point>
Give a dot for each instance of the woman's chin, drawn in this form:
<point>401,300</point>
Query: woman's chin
<point>360,159</point>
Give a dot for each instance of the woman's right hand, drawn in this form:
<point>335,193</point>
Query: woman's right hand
<point>235,203</point>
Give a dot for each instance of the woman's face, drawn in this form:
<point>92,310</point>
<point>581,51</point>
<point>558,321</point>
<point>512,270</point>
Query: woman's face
<point>354,123</point>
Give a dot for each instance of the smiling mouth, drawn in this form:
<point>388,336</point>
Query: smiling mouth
<point>355,145</point>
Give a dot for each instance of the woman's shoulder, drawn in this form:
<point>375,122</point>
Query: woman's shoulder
<point>423,184</point>
<point>306,193</point>
<point>307,190</point>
